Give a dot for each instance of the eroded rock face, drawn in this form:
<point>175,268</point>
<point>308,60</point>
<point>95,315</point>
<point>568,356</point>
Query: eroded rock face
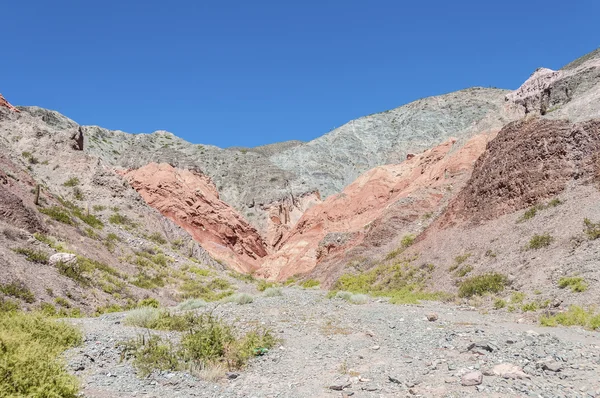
<point>407,190</point>
<point>528,161</point>
<point>191,200</point>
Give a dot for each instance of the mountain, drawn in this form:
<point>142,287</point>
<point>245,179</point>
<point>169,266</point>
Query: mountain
<point>450,171</point>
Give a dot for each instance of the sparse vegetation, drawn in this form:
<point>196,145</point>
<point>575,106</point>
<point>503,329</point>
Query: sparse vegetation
<point>458,260</point>
<point>273,292</point>
<point>407,240</point>
<point>17,290</point>
<point>71,182</point>
<point>403,283</point>
<point>532,211</point>
<point>207,342</point>
<point>576,283</point>
<point>239,298</point>
<point>540,241</point>
<point>575,316</point>
<point>591,229</point>
<point>517,297</point>
<point>264,285</point>
<point>191,304</point>
<point>35,256</point>
<point>157,238</point>
<point>464,271</point>
<point>479,285</point>
<point>120,219</point>
<point>310,283</point>
<point>98,208</point>
<point>31,345</point>
<point>58,214</point>
<point>202,290</point>
<point>499,303</point>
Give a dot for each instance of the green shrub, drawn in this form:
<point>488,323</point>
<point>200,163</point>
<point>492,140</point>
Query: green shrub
<point>17,290</point>
<point>263,285</point>
<point>575,316</point>
<point>149,302</point>
<point>239,298</point>
<point>517,297</point>
<point>273,292</point>
<point>35,256</point>
<point>120,219</point>
<point>78,194</point>
<point>458,260</point>
<point>533,306</point>
<point>359,299</point>
<point>310,283</point>
<point>482,284</point>
<point>49,241</point>
<point>576,283</point>
<point>191,304</point>
<point>97,208</point>
<point>200,271</point>
<point>197,289</point>
<point>157,238</point>
<point>8,305</point>
<point>343,295</point>
<point>71,182</point>
<point>407,240</point>
<point>61,301</point>
<point>464,271</point>
<point>89,219</point>
<point>58,214</point>
<point>146,281</point>
<point>30,364</point>
<point>539,241</point>
<point>151,353</point>
<point>592,230</point>
<point>499,303</point>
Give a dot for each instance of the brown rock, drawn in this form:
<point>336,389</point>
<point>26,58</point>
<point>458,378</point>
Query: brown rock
<point>432,317</point>
<point>6,104</point>
<point>472,379</point>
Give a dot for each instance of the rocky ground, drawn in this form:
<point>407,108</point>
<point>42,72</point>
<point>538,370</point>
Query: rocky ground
<point>331,348</point>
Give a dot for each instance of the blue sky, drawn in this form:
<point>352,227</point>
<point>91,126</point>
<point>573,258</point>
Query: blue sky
<point>254,72</point>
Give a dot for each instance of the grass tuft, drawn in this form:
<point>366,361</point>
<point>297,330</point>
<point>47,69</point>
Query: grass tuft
<point>540,241</point>
<point>479,285</point>
<point>575,316</point>
<point>576,283</point>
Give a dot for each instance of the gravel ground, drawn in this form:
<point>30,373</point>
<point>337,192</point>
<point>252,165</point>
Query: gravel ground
<point>331,348</point>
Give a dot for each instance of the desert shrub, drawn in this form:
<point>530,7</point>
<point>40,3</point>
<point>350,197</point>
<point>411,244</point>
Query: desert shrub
<point>310,283</point>
<point>592,230</point>
<point>359,299</point>
<point>576,283</point>
<point>61,301</point>
<point>208,342</point>
<point>407,240</point>
<point>30,365</point>
<point>191,304</point>
<point>154,318</point>
<point>71,182</point>
<point>290,281</point>
<point>575,316</point>
<point>120,219</point>
<point>273,292</point>
<point>17,290</point>
<point>263,285</point>
<point>464,271</point>
<point>532,211</point>
<point>78,194</point>
<point>89,219</point>
<point>92,234</point>
<point>479,285</point>
<point>200,271</point>
<point>48,240</point>
<point>533,306</point>
<point>97,208</point>
<point>539,241</point>
<point>458,260</point>
<point>242,277</point>
<point>517,297</point>
<point>8,305</point>
<point>157,238</point>
<point>144,280</point>
<point>58,214</point>
<point>344,295</point>
<point>35,256</point>
<point>499,303</point>
<point>197,289</point>
<point>149,302</point>
<point>239,298</point>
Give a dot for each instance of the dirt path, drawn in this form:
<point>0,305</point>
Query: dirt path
<point>371,350</point>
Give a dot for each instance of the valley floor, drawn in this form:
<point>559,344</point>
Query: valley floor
<point>331,348</point>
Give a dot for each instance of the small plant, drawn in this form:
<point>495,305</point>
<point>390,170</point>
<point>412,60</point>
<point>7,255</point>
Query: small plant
<point>462,258</point>
<point>464,271</point>
<point>343,295</point>
<point>533,306</point>
<point>78,194</point>
<point>149,302</point>
<point>157,238</point>
<point>407,240</point>
<point>576,283</point>
<point>490,253</point>
<point>592,230</point>
<point>540,241</point>
<point>574,316</point>
<point>191,304</point>
<point>240,298</point>
<point>98,208</point>
<point>479,285</point>
<point>120,219</point>
<point>34,256</point>
<point>264,285</point>
<point>17,290</point>
<point>359,299</point>
<point>517,297</point>
<point>310,283</point>
<point>61,301</point>
<point>499,303</point>
<point>71,182</point>
<point>273,292</point>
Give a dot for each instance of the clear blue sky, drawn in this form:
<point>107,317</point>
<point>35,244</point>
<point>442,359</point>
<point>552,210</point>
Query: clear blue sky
<point>255,72</point>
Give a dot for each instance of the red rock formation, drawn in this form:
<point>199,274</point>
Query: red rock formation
<point>409,189</point>
<point>6,104</point>
<point>191,200</point>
